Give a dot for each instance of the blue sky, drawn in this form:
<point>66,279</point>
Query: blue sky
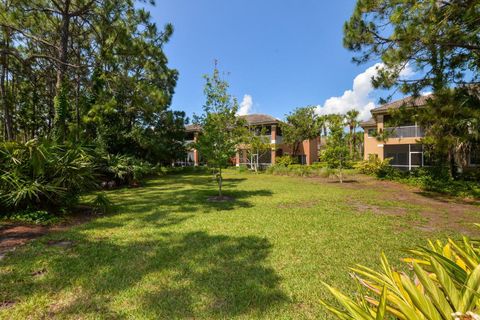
<point>282,54</point>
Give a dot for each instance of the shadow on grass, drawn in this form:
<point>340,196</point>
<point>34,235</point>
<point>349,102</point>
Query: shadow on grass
<point>175,276</point>
<point>187,194</point>
<point>446,198</point>
<point>159,274</point>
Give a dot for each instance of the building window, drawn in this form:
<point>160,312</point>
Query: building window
<point>371,132</point>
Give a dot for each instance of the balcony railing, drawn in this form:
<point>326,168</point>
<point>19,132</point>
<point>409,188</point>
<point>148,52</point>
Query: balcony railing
<point>405,132</point>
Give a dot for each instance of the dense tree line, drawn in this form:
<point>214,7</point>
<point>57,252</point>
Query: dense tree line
<point>90,72</point>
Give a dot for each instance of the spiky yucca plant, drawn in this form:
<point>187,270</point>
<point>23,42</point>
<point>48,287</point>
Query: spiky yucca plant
<point>445,285</point>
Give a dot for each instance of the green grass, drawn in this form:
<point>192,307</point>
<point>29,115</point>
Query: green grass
<point>168,253</point>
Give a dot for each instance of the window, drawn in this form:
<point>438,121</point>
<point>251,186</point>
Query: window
<point>371,132</point>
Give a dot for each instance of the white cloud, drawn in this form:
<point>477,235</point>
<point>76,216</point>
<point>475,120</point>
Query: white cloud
<point>246,105</point>
<point>359,97</point>
<point>426,93</point>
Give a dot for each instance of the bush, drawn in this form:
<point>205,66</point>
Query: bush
<point>42,175</point>
<point>120,170</point>
<point>33,216</point>
<point>285,161</point>
<point>445,284</point>
<point>242,168</point>
<point>101,203</point>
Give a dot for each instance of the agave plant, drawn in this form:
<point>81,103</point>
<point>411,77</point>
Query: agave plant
<point>445,285</point>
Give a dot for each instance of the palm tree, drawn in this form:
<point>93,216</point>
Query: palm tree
<point>352,122</point>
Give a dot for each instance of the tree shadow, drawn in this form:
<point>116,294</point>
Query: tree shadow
<point>188,194</point>
<point>445,198</point>
<point>175,275</point>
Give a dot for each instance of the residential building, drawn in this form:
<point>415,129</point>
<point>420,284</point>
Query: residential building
<point>270,127</point>
<point>403,144</point>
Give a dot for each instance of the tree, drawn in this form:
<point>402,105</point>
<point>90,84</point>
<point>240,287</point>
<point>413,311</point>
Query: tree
<point>302,124</point>
<point>336,152</point>
<point>257,144</point>
<point>437,39</point>
<point>222,130</point>
<point>89,71</point>
<point>351,118</point>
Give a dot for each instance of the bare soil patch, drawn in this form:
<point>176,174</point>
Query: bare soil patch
<point>220,199</point>
<point>437,212</point>
<point>13,234</point>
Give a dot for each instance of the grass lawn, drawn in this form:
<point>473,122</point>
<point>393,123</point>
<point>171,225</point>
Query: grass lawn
<point>167,253</point>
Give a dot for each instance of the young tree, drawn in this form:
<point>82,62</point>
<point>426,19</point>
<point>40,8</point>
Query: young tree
<point>351,118</point>
<point>222,130</point>
<point>336,152</point>
<point>257,144</point>
<point>302,124</point>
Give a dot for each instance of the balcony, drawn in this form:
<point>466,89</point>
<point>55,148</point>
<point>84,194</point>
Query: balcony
<point>405,132</point>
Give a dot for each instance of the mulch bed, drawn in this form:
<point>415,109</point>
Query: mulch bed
<point>220,199</point>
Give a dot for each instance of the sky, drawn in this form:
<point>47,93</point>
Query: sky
<point>276,55</point>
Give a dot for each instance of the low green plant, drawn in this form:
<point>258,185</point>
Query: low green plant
<point>242,168</point>
<point>445,284</point>
<point>101,203</point>
<point>43,175</point>
<point>33,216</point>
<point>285,161</point>
<point>125,170</point>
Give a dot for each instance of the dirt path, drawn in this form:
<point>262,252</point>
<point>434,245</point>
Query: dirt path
<point>437,212</point>
<point>13,235</point>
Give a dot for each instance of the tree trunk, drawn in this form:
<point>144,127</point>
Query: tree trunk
<point>220,181</point>
<point>3,91</point>
<point>61,107</point>
<point>354,142</point>
<point>451,158</point>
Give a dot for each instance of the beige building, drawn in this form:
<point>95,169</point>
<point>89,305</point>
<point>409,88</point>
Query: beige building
<point>403,145</point>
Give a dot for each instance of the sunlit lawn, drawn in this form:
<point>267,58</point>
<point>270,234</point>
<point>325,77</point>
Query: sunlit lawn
<point>168,253</point>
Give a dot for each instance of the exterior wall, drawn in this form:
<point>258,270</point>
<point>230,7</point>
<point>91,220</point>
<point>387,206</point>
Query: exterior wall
<point>371,145</point>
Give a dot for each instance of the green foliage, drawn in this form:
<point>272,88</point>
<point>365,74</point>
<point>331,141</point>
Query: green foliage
<point>60,104</point>
<point>222,130</point>
<point>302,124</point>
<point>336,153</point>
<point>377,167</point>
<point>445,283</point>
<point>317,170</point>
<point>125,170</point>
<point>101,203</point>
<point>33,216</point>
<point>285,160</point>
<point>438,40</point>
<point>43,175</point>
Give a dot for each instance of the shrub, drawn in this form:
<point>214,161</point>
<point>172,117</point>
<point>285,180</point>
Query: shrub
<point>101,203</point>
<point>41,175</point>
<point>242,168</point>
<point>445,284</point>
<point>285,161</point>
<point>33,216</point>
<point>119,170</point>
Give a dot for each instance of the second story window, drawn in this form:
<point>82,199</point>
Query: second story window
<point>371,132</point>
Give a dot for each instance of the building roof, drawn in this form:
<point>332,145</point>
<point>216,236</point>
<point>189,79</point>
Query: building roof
<point>405,102</point>
<point>258,118</point>
<point>251,119</point>
<point>370,122</point>
<point>193,128</point>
